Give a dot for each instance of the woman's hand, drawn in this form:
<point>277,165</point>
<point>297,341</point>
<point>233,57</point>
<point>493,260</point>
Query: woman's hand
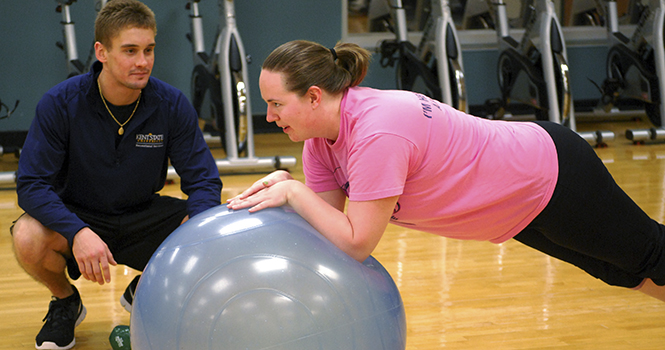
<point>268,196</point>
<point>268,181</point>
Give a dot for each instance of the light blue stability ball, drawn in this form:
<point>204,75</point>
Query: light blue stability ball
<point>267,280</point>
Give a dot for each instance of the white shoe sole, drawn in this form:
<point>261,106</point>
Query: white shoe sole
<point>48,345</point>
<point>125,304</point>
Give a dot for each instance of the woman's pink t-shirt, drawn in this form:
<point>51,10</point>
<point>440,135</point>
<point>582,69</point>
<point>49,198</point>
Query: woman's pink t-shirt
<point>456,175</point>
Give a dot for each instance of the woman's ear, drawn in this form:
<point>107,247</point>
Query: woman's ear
<point>314,94</point>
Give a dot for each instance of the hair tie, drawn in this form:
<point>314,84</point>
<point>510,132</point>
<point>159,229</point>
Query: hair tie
<point>334,54</point>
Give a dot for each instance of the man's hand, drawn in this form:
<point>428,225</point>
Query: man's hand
<point>92,256</point>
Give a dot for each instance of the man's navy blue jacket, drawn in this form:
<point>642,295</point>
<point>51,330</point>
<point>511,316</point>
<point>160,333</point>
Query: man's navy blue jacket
<point>70,154</point>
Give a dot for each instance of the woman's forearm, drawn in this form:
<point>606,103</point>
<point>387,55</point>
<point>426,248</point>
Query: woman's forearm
<point>356,233</point>
<point>332,223</point>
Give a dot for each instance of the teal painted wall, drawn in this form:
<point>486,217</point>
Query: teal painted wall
<point>30,62</point>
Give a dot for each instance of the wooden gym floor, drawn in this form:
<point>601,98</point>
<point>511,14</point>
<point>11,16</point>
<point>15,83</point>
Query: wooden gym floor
<point>457,294</point>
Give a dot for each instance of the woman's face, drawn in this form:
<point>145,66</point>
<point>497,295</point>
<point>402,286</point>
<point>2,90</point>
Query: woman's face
<point>293,113</point>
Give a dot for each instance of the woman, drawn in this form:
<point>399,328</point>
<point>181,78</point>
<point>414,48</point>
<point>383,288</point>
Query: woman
<point>404,158</point>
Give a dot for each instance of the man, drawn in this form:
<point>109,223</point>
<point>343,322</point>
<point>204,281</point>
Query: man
<point>95,157</point>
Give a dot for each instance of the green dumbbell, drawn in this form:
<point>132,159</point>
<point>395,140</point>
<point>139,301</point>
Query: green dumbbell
<point>119,338</point>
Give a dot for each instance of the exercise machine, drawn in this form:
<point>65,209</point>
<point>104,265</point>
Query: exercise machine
<point>8,177</point>
<point>9,111</point>
<point>636,67</point>
<point>435,67</point>
<point>5,149</point>
<point>75,66</point>
<point>534,71</point>
<point>220,92</point>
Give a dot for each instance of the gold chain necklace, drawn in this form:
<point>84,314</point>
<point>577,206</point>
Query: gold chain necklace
<point>121,130</point>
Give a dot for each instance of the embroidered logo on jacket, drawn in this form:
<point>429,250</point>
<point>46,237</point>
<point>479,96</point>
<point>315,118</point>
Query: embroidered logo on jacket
<point>149,140</point>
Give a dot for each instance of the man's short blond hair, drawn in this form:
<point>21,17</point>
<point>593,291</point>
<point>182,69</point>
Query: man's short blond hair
<point>118,15</point>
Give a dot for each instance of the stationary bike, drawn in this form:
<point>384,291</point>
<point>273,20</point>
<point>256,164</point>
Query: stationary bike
<point>434,67</point>
<point>8,177</point>
<point>220,92</point>
<point>74,65</point>
<point>8,112</point>
<point>4,115</point>
<point>636,67</point>
<point>534,71</point>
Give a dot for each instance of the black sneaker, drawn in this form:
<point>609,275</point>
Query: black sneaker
<point>128,296</point>
<point>62,317</point>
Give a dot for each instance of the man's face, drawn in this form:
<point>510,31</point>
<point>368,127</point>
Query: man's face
<point>129,59</point>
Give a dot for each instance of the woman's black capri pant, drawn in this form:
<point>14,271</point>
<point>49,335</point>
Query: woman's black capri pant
<point>591,222</point>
